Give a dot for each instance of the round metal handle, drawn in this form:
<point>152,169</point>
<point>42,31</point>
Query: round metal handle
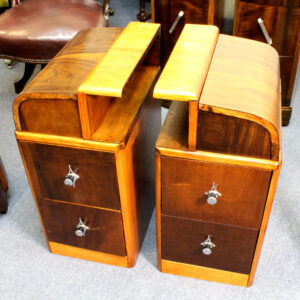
<point>212,195</point>
<point>81,228</point>
<point>71,178</point>
<point>207,245</point>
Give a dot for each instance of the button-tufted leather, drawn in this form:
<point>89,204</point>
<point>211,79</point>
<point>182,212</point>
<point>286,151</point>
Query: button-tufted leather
<point>35,30</point>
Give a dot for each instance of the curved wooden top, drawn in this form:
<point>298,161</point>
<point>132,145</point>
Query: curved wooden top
<point>184,74</point>
<point>114,71</point>
<point>244,81</point>
<point>61,78</point>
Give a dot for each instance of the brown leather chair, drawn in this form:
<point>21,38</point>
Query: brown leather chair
<point>33,31</point>
<point>3,189</point>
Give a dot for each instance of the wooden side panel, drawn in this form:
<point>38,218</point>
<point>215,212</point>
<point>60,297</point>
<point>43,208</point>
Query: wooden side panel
<point>243,192</point>
<point>51,116</point>
<point>48,166</point>
<point>182,238</point>
<point>264,223</point>
<point>135,169</point>
<point>105,233</point>
<point>230,135</point>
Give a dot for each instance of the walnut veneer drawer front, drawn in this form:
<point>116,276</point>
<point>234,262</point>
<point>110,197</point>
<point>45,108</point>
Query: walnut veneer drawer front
<point>233,247</point>
<point>65,223</point>
<point>185,192</point>
<point>48,167</point>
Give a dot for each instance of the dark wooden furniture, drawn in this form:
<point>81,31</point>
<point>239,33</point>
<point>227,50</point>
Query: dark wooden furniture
<point>179,13</point>
<point>143,16</point>
<point>281,19</point>
<point>86,128</point>
<point>218,155</point>
<point>3,189</point>
<point>34,31</point>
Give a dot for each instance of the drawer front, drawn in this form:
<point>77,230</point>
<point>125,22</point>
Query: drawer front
<point>274,18</point>
<point>105,233</point>
<point>195,12</point>
<point>48,166</point>
<point>186,182</point>
<point>181,242</point>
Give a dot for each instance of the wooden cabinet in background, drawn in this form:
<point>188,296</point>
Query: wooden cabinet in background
<point>86,133</point>
<point>167,12</point>
<point>218,155</point>
<point>281,19</point>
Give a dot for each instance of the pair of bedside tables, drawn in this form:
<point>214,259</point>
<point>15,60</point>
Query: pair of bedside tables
<point>88,130</point>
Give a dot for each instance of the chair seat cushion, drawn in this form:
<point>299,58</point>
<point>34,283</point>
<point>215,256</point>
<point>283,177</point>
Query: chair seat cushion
<point>35,30</point>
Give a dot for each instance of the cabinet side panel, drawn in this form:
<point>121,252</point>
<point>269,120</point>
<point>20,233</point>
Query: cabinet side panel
<point>135,169</point>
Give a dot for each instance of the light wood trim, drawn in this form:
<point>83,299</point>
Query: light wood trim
<point>32,191</point>
<point>91,255</point>
<point>128,197</point>
<point>193,125</point>
<point>114,71</point>
<point>204,273</point>
<point>185,72</point>
<point>158,206</point>
<point>84,115</point>
<point>211,12</point>
<point>152,11</point>
<point>242,161</point>
<point>70,142</point>
<point>79,204</point>
<point>92,110</point>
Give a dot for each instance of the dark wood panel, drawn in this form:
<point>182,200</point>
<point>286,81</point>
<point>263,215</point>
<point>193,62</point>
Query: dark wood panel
<point>195,12</point>
<point>230,135</point>
<point>48,166</point>
<point>274,18</point>
<point>286,67</point>
<point>143,151</point>
<point>38,116</point>
<point>244,191</point>
<point>181,242</point>
<point>105,233</point>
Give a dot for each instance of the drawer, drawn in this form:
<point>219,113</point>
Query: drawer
<point>195,12</point>
<point>274,17</point>
<point>181,242</point>
<point>243,192</point>
<point>105,233</point>
<point>48,166</point>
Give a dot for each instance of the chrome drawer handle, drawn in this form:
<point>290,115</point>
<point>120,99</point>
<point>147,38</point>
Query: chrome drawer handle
<point>264,31</point>
<point>81,228</point>
<point>212,195</point>
<point>71,178</point>
<point>207,245</point>
<point>179,16</point>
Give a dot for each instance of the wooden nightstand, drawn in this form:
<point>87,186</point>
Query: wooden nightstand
<point>86,128</point>
<point>218,155</point>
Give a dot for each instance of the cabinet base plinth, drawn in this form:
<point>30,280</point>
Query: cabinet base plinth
<point>204,273</point>
<point>66,250</point>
